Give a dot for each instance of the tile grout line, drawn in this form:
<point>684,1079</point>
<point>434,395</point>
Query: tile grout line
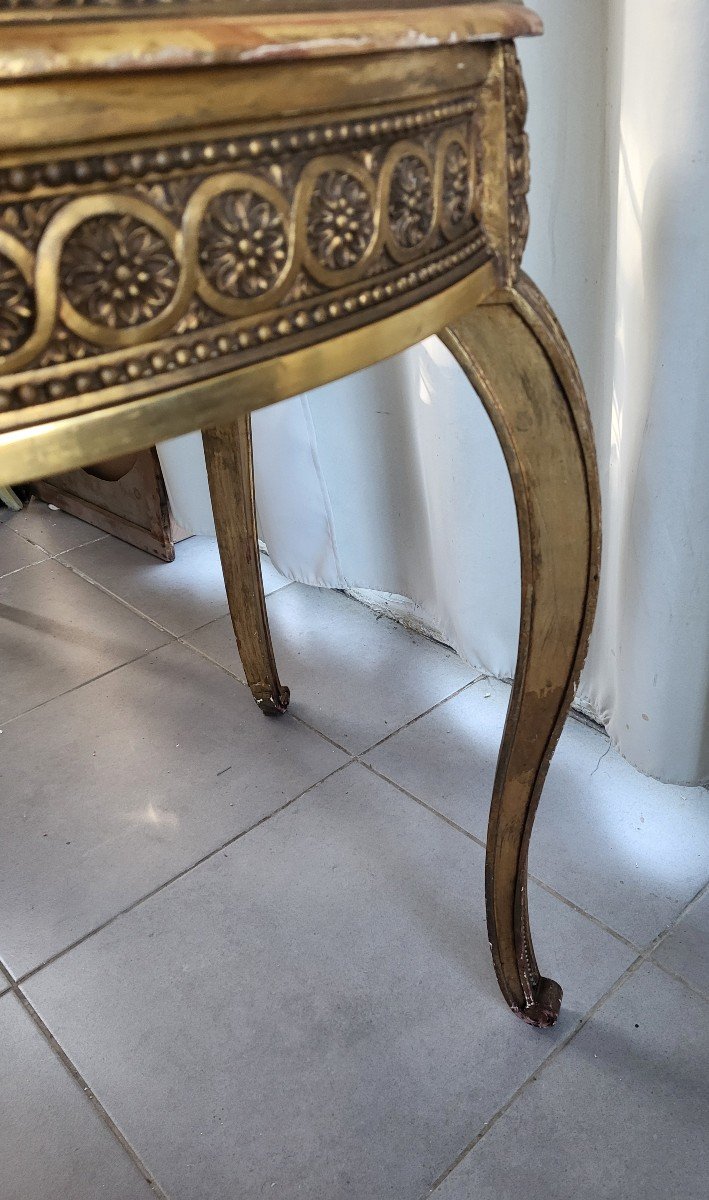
<point>642,953</point>
<point>307,724</point>
<point>620,937</point>
<point>22,979</point>
<point>188,633</point>
<point>48,556</point>
<point>424,804</point>
<point>644,957</point>
<point>172,637</point>
<point>114,596</point>
<point>483,845</point>
<point>691,987</point>
<point>576,715</point>
<point>212,621</point>
<point>181,639</point>
<point>420,716</point>
<point>375,745</point>
<point>139,611</point>
<point>26,567</point>
<point>71,1068</point>
<point>77,686</point>
<point>648,949</point>
<point>435,812</point>
<point>662,937</point>
<point>579,716</point>
<point>538,1071</point>
<point>69,550</point>
<point>429,808</point>
<point>17,570</point>
<point>235,678</point>
<point>26,537</point>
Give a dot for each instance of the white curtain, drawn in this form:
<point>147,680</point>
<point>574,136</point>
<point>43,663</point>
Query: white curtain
<point>392,480</point>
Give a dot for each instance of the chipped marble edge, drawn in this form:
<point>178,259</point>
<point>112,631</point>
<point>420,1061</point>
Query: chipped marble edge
<point>31,51</point>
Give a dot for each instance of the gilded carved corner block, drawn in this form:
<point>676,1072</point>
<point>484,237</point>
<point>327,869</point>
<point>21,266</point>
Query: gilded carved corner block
<point>504,148</point>
<point>517,156</point>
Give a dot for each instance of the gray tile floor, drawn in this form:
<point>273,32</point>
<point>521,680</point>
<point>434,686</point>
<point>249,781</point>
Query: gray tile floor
<point>247,958</point>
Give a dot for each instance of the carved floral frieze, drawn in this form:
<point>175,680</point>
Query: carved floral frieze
<point>340,222</point>
<point>243,244</point>
<point>109,260</point>
<point>411,200</point>
<point>16,307</point>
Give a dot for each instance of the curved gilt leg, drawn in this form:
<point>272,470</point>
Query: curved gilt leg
<point>231,484</point>
<point>516,357</point>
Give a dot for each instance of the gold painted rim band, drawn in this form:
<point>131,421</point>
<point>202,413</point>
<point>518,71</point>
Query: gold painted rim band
<point>55,446</point>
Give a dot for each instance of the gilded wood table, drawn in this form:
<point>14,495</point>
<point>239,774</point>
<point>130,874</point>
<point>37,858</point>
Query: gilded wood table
<point>206,208</point>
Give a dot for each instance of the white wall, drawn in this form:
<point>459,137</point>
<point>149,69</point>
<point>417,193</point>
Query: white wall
<point>393,480</point>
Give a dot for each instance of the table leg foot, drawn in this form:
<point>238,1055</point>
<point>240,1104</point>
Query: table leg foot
<point>516,357</point>
<point>545,1006</point>
<point>228,453</point>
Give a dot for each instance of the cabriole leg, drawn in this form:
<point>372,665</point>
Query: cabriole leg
<point>518,361</point>
<point>228,453</point>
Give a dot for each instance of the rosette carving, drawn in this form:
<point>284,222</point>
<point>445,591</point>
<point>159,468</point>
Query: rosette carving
<point>243,244</point>
<point>16,307</point>
<point>117,271</point>
<point>411,201</point>
<point>456,184</point>
<point>340,221</point>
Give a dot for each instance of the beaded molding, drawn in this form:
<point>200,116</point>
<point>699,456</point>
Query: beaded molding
<point>107,252</point>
